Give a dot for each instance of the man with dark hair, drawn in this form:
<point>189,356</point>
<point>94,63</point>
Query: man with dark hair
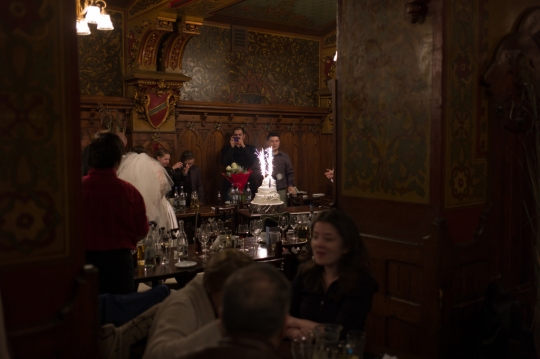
<point>254,307</point>
<point>283,171</point>
<point>242,154</point>
<point>114,216</point>
<point>189,319</point>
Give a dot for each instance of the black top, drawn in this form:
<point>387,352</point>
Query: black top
<point>244,157</point>
<point>350,310</point>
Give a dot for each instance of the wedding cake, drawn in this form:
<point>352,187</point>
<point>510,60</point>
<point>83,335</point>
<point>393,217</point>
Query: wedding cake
<point>267,194</point>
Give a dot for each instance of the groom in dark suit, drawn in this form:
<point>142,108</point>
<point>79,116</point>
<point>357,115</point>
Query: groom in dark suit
<point>189,176</point>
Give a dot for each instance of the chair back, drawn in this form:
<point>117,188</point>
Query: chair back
<point>274,217</point>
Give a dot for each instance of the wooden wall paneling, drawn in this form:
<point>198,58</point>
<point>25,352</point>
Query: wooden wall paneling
<point>204,128</point>
<point>212,178</point>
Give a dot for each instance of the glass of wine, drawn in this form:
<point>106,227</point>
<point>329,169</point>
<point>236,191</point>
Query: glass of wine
<point>256,228</point>
<point>243,231</point>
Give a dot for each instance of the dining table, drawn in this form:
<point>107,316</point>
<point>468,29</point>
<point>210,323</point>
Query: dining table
<point>246,215</point>
<point>160,272</point>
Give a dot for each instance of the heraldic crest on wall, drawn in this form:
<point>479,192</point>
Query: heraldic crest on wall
<point>155,100</point>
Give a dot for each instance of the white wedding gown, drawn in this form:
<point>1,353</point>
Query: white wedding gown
<point>153,182</point>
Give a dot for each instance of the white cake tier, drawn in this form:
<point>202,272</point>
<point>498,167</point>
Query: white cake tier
<point>267,194</point>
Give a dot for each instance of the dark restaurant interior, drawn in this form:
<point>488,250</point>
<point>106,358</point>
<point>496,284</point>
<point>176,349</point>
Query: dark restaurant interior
<point>426,111</point>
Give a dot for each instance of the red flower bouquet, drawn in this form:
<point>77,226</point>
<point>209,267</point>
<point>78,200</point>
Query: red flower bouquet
<point>237,175</point>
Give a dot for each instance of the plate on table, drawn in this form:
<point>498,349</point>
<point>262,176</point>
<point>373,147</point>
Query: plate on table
<point>315,195</point>
<point>185,264</point>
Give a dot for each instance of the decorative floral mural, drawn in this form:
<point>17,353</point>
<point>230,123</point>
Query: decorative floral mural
<point>100,60</point>
<point>466,132</point>
<point>385,72</point>
<point>33,191</point>
<point>277,70</point>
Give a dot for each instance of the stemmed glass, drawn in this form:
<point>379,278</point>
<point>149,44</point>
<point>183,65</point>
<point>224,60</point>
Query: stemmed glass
<point>256,228</point>
<point>204,232</point>
<point>165,243</point>
<point>293,222</point>
<point>283,223</point>
<point>243,231</point>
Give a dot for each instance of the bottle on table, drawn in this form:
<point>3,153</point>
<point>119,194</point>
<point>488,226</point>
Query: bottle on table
<point>218,198</point>
<point>182,200</point>
<point>194,203</point>
<point>248,193</point>
<point>234,199</point>
<point>182,242</point>
<point>303,228</point>
<point>140,253</point>
<point>176,200</point>
<point>149,252</point>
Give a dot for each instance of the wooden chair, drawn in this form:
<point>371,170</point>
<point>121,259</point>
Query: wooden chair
<point>274,217</point>
<point>295,201</point>
<point>116,342</point>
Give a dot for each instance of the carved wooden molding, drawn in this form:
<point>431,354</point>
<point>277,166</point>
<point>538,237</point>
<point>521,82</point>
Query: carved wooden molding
<point>174,52</point>
<point>416,10</point>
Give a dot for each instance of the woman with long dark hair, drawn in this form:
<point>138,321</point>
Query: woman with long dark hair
<point>334,284</point>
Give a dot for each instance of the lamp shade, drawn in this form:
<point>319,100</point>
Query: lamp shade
<point>104,22</point>
<point>82,27</point>
<point>92,14</point>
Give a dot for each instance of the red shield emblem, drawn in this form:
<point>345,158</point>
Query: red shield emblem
<point>157,107</point>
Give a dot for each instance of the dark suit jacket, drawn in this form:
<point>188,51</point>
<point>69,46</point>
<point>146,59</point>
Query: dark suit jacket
<point>196,181</point>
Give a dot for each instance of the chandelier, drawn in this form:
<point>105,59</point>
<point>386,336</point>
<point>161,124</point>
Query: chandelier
<point>92,12</point>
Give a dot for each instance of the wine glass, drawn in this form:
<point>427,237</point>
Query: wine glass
<point>243,231</point>
<point>293,223</point>
<point>283,223</point>
<point>256,228</point>
<point>204,232</point>
<point>165,243</point>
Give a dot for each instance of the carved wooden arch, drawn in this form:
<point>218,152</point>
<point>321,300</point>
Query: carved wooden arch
<point>173,52</point>
<point>148,50</point>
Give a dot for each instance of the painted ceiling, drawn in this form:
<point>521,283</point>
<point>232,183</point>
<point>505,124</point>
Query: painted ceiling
<point>310,17</point>
<point>312,14</point>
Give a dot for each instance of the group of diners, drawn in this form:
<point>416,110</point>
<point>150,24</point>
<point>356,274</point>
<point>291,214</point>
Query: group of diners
<point>236,308</point>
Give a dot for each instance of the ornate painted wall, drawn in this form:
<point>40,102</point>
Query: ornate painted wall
<point>101,59</point>
<point>385,103</point>
<point>466,113</point>
<point>278,70</point>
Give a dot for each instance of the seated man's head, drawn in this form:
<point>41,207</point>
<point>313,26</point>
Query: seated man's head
<point>188,159</point>
<point>256,300</point>
<point>219,268</point>
<point>105,151</point>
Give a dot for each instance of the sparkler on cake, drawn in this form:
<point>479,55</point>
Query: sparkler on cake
<point>267,192</point>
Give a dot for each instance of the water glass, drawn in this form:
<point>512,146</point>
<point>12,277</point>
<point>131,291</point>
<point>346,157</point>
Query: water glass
<point>355,343</point>
<point>274,237</point>
<point>326,340</point>
<point>256,228</point>
<point>302,348</point>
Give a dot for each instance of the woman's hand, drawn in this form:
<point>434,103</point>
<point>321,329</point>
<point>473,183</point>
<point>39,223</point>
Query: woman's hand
<point>299,327</point>
<point>177,165</point>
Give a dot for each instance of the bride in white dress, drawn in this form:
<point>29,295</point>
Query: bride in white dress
<point>153,182</point>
